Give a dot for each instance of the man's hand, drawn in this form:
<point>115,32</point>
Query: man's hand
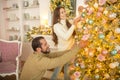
<point>83,43</point>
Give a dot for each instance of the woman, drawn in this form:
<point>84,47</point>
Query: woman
<point>63,36</point>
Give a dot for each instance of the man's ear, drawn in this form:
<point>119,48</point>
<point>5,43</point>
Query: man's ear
<point>38,49</point>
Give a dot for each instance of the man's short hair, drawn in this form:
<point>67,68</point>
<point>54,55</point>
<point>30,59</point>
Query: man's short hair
<point>36,42</point>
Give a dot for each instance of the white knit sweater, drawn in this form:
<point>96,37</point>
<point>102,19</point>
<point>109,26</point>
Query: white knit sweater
<point>65,38</point>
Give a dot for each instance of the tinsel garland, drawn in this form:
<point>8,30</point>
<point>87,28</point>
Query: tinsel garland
<point>41,30</point>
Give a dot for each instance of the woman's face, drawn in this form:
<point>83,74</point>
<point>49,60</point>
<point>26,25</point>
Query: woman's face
<point>62,14</point>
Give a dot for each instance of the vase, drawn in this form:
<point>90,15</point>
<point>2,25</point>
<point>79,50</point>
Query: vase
<point>26,4</point>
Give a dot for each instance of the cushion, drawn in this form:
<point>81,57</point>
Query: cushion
<point>9,51</point>
<point>7,67</point>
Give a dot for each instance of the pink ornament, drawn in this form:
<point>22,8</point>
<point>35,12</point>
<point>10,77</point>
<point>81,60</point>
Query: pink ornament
<point>77,74</point>
<point>100,9</point>
<point>85,37</point>
<point>104,52</point>
<point>102,2</point>
<point>99,14</point>
<point>90,11</point>
<point>104,21</point>
<point>100,57</point>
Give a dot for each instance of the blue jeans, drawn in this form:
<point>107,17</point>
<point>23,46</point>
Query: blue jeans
<point>57,71</point>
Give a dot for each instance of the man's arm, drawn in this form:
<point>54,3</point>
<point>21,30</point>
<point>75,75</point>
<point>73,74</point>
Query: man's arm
<point>49,63</point>
<point>56,54</point>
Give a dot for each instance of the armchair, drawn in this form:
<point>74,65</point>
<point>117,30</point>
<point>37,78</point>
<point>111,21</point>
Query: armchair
<point>10,53</point>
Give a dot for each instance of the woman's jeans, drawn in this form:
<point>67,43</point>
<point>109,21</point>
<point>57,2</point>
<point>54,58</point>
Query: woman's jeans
<point>57,71</point>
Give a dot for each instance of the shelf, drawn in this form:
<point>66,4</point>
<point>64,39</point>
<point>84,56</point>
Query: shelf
<point>14,37</point>
<point>12,20</point>
<point>31,19</point>
<point>11,30</point>
<point>10,9</point>
<point>18,13</point>
<point>29,7</point>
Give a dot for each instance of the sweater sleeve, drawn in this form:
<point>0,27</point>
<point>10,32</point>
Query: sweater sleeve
<point>61,33</point>
<point>56,54</point>
<point>49,63</point>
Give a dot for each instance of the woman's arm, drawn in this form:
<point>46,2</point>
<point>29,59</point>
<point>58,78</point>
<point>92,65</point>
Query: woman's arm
<point>58,29</point>
<point>61,33</point>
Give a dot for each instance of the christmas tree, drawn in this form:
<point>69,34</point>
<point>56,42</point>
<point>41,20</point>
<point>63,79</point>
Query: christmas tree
<point>99,28</point>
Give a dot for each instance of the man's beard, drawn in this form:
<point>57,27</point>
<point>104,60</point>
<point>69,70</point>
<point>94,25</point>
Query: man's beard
<point>46,52</point>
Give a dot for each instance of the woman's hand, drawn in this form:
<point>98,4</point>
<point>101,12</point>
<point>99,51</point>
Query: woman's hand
<point>76,20</point>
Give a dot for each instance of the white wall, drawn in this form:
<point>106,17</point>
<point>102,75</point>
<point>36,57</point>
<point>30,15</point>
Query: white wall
<point>44,9</point>
<point>2,26</point>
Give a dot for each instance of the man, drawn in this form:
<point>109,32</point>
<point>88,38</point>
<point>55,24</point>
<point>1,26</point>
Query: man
<point>37,63</point>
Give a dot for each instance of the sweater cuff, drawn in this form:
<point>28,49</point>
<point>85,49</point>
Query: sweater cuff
<point>73,26</point>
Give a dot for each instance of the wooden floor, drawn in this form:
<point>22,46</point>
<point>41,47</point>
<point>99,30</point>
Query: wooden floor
<point>12,77</point>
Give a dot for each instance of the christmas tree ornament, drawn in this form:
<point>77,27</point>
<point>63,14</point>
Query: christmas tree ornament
<point>77,74</point>
<point>102,2</point>
<point>112,65</point>
<point>90,21</point>
<point>97,76</point>
<point>112,15</point>
<point>101,36</point>
<point>117,30</point>
<point>114,52</point>
<point>83,14</point>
